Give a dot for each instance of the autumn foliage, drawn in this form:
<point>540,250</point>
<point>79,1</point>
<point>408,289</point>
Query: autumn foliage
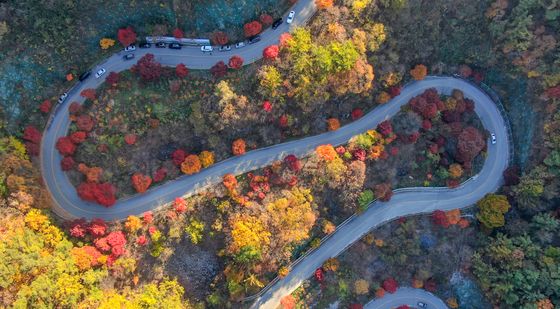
<point>30,133</point>
<point>178,33</point>
<point>181,70</point>
<point>101,193</point>
<point>140,182</point>
<point>45,107</point>
<point>266,19</point>
<point>419,72</point>
<point>271,52</point>
<point>148,68</point>
<point>219,69</point>
<point>126,36</point>
<point>324,4</point>
<point>220,38</point>
<point>206,158</point>
<point>78,137</point>
<point>390,285</point>
<point>333,124</point>
<point>238,147</point>
<point>191,165</point>
<point>326,152</point>
<point>65,146</point>
<point>84,123</point>
<point>252,28</point>
<point>469,145</point>
<point>89,93</point>
<point>235,62</point>
<point>229,181</point>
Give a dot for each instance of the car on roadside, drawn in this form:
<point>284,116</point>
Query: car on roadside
<point>175,46</point>
<point>254,39</point>
<point>291,16</point>
<point>422,305</point>
<point>130,48</point>
<point>100,73</point>
<point>160,45</point>
<point>206,49</point>
<point>225,48</point>
<point>239,44</point>
<point>128,57</point>
<point>84,76</point>
<point>277,23</point>
<point>145,45</point>
<point>62,97</point>
<point>493,138</point>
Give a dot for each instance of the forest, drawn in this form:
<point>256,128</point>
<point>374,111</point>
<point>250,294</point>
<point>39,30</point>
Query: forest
<point>152,124</point>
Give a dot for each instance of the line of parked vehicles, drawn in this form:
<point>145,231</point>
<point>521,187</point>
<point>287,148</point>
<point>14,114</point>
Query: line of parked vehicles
<point>205,49</point>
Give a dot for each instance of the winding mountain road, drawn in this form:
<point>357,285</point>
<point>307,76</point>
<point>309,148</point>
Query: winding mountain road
<point>409,297</point>
<point>405,202</point>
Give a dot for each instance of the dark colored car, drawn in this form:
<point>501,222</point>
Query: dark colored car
<point>277,23</point>
<point>160,45</point>
<point>145,45</point>
<point>84,76</point>
<point>175,46</point>
<point>128,56</point>
<point>254,39</point>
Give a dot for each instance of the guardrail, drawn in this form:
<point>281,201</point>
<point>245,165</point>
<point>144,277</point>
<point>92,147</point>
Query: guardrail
<point>495,98</point>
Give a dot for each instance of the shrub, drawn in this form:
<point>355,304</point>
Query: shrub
<point>191,165</point>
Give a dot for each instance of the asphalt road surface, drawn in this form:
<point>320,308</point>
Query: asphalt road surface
<point>407,296</point>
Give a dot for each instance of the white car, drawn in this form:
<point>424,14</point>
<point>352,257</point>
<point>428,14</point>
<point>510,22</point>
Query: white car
<point>206,48</point>
<point>422,305</point>
<point>130,48</point>
<point>62,97</point>
<point>493,137</point>
<point>100,72</point>
<point>291,17</point>
<point>239,44</point>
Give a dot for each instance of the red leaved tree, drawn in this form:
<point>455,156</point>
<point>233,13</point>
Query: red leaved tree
<point>178,33</point>
<point>469,144</point>
<point>252,28</point>
<point>219,69</point>
<point>65,146</point>
<point>30,133</point>
<point>113,78</point>
<point>89,94</point>
<point>220,38</point>
<point>45,107</point>
<point>293,163</point>
<point>84,123</point>
<point>271,52</point>
<point>383,191</point>
<point>78,137</point>
<point>140,182</point>
<point>439,218</point>
<point>235,62</point>
<point>390,285</point>
<point>181,71</point>
<point>178,156</point>
<point>148,68</point>
<point>67,163</point>
<point>266,19</point>
<point>238,147</point>
<point>126,36</point>
<point>97,227</point>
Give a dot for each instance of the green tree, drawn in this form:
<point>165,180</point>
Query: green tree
<point>491,210</point>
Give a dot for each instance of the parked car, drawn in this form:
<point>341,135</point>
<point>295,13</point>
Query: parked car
<point>422,305</point>
<point>128,56</point>
<point>130,48</point>
<point>175,46</point>
<point>160,45</point>
<point>254,39</point>
<point>84,76</point>
<point>290,18</point>
<point>206,48</point>
<point>493,136</point>
<point>239,44</point>
<point>145,45</point>
<point>225,48</point>
<point>277,23</point>
<point>100,72</point>
<point>62,97</point>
